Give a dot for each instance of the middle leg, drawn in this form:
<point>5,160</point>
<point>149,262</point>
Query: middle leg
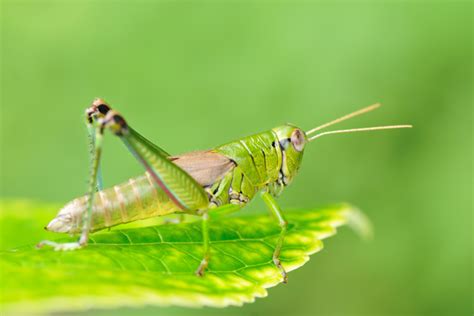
<point>206,243</point>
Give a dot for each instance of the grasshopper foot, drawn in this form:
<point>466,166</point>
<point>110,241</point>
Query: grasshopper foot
<point>277,263</point>
<point>202,268</point>
<point>60,246</point>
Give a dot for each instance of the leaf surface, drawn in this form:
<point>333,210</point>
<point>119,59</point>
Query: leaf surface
<point>155,265</point>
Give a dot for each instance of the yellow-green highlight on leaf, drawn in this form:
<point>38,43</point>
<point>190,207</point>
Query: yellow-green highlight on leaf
<point>155,265</point>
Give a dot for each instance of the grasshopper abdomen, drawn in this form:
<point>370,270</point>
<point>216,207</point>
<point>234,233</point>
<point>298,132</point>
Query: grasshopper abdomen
<point>138,198</point>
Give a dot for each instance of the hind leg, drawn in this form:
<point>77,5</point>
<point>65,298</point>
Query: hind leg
<point>178,185</point>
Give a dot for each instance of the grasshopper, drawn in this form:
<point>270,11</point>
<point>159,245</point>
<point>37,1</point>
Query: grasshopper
<point>222,179</point>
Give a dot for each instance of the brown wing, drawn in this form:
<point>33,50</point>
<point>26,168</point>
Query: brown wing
<point>206,167</point>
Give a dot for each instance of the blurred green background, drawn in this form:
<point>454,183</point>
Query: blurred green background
<point>191,75</point>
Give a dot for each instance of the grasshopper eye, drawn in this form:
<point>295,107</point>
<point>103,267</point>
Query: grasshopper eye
<point>298,140</point>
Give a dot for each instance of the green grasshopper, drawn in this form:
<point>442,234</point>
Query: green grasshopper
<point>225,178</point>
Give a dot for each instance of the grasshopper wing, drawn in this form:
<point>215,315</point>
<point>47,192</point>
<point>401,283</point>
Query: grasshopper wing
<point>206,167</point>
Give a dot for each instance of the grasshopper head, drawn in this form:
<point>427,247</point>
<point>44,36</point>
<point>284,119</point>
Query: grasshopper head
<point>292,141</point>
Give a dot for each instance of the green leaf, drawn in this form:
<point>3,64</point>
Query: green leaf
<point>155,265</point>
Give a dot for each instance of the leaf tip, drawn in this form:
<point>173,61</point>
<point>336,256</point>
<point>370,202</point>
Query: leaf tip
<point>360,223</point>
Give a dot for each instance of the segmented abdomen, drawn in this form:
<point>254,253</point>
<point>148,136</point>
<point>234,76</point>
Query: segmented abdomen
<point>134,200</point>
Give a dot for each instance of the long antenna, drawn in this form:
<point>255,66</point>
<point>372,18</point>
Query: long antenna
<point>345,117</point>
<point>355,130</point>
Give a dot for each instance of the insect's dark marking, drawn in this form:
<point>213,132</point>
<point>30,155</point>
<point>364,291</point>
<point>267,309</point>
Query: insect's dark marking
<point>122,124</point>
<point>253,161</point>
<point>103,108</point>
<point>283,161</point>
<point>119,120</point>
<point>241,183</point>
<point>284,143</point>
<point>264,159</point>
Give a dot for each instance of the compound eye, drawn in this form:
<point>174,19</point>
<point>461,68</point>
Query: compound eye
<point>298,140</point>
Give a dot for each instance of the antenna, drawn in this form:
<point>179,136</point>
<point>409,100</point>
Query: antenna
<point>345,117</point>
<point>355,130</point>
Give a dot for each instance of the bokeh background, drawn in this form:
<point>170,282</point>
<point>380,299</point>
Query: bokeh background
<point>191,75</point>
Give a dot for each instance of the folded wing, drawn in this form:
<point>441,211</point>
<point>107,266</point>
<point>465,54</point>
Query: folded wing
<point>206,167</point>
